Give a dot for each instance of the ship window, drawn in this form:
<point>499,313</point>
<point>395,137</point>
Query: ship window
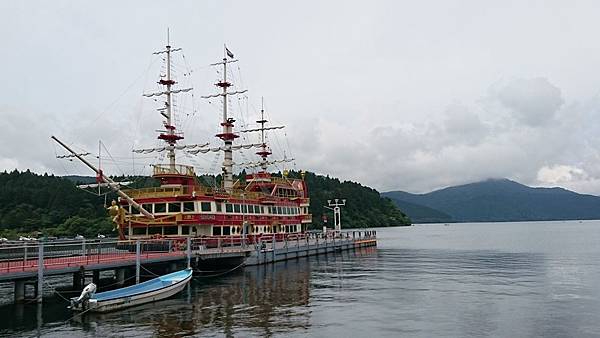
<point>185,230</point>
<point>155,231</point>
<point>286,210</point>
<point>244,209</point>
<point>188,207</point>
<point>216,231</point>
<point>236,208</point>
<point>172,230</point>
<point>139,231</point>
<point>250,209</point>
<point>148,207</point>
<point>219,208</point>
<point>205,206</point>
<point>226,231</point>
<point>160,207</point>
<point>174,207</point>
<point>257,209</point>
<point>278,210</point>
<point>228,207</point>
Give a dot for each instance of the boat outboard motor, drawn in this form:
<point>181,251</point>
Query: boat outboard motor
<point>87,292</point>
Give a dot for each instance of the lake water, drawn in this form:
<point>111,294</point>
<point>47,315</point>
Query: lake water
<point>462,280</point>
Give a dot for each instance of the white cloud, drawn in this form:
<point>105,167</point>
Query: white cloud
<point>390,94</point>
<point>557,174</point>
<point>532,102</point>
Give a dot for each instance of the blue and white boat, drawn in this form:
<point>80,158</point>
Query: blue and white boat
<point>155,289</point>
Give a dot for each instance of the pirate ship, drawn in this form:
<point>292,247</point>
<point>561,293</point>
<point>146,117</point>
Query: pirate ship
<point>183,206</point>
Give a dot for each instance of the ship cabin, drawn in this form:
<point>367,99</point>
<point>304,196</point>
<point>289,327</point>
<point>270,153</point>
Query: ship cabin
<point>182,207</point>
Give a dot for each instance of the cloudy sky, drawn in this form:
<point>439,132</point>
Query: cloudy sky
<point>398,95</point>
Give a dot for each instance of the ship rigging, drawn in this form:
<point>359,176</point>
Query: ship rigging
<point>251,206</point>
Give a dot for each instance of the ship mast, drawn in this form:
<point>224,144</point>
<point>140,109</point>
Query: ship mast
<point>264,151</point>
<point>101,177</point>
<point>169,125</point>
<point>169,135</point>
<point>227,124</point>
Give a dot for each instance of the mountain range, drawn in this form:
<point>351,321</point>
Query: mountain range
<point>496,200</point>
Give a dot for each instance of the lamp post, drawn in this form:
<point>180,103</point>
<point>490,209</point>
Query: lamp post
<point>337,215</point>
<point>243,220</point>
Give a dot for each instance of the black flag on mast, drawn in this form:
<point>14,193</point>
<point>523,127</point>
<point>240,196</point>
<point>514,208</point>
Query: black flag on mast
<point>229,53</point>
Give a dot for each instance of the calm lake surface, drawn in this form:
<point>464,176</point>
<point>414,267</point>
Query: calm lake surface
<point>462,280</point>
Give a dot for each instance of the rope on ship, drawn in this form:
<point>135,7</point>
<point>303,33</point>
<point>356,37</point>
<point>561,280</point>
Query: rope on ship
<point>55,291</point>
<point>206,276</point>
<point>223,273</point>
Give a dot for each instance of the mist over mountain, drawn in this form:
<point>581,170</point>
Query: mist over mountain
<point>496,200</point>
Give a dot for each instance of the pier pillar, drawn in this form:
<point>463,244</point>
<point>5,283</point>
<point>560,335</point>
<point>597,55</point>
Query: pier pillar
<point>258,251</point>
<point>19,291</point>
<point>120,275</point>
<point>96,277</point>
<point>189,252</point>
<point>79,279</point>
<point>40,281</point>
<point>274,242</point>
<point>137,261</point>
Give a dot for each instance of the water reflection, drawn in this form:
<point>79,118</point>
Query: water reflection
<point>395,290</point>
<point>259,300</point>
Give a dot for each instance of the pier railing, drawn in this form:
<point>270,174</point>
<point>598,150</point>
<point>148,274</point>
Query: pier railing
<point>27,256</point>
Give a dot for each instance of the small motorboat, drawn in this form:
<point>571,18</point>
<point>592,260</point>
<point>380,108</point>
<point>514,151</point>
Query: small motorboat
<point>155,289</point>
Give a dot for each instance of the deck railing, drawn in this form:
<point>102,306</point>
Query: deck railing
<point>177,169</point>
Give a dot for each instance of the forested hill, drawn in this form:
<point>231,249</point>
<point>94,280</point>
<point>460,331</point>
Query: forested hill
<point>497,200</point>
<point>55,206</point>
